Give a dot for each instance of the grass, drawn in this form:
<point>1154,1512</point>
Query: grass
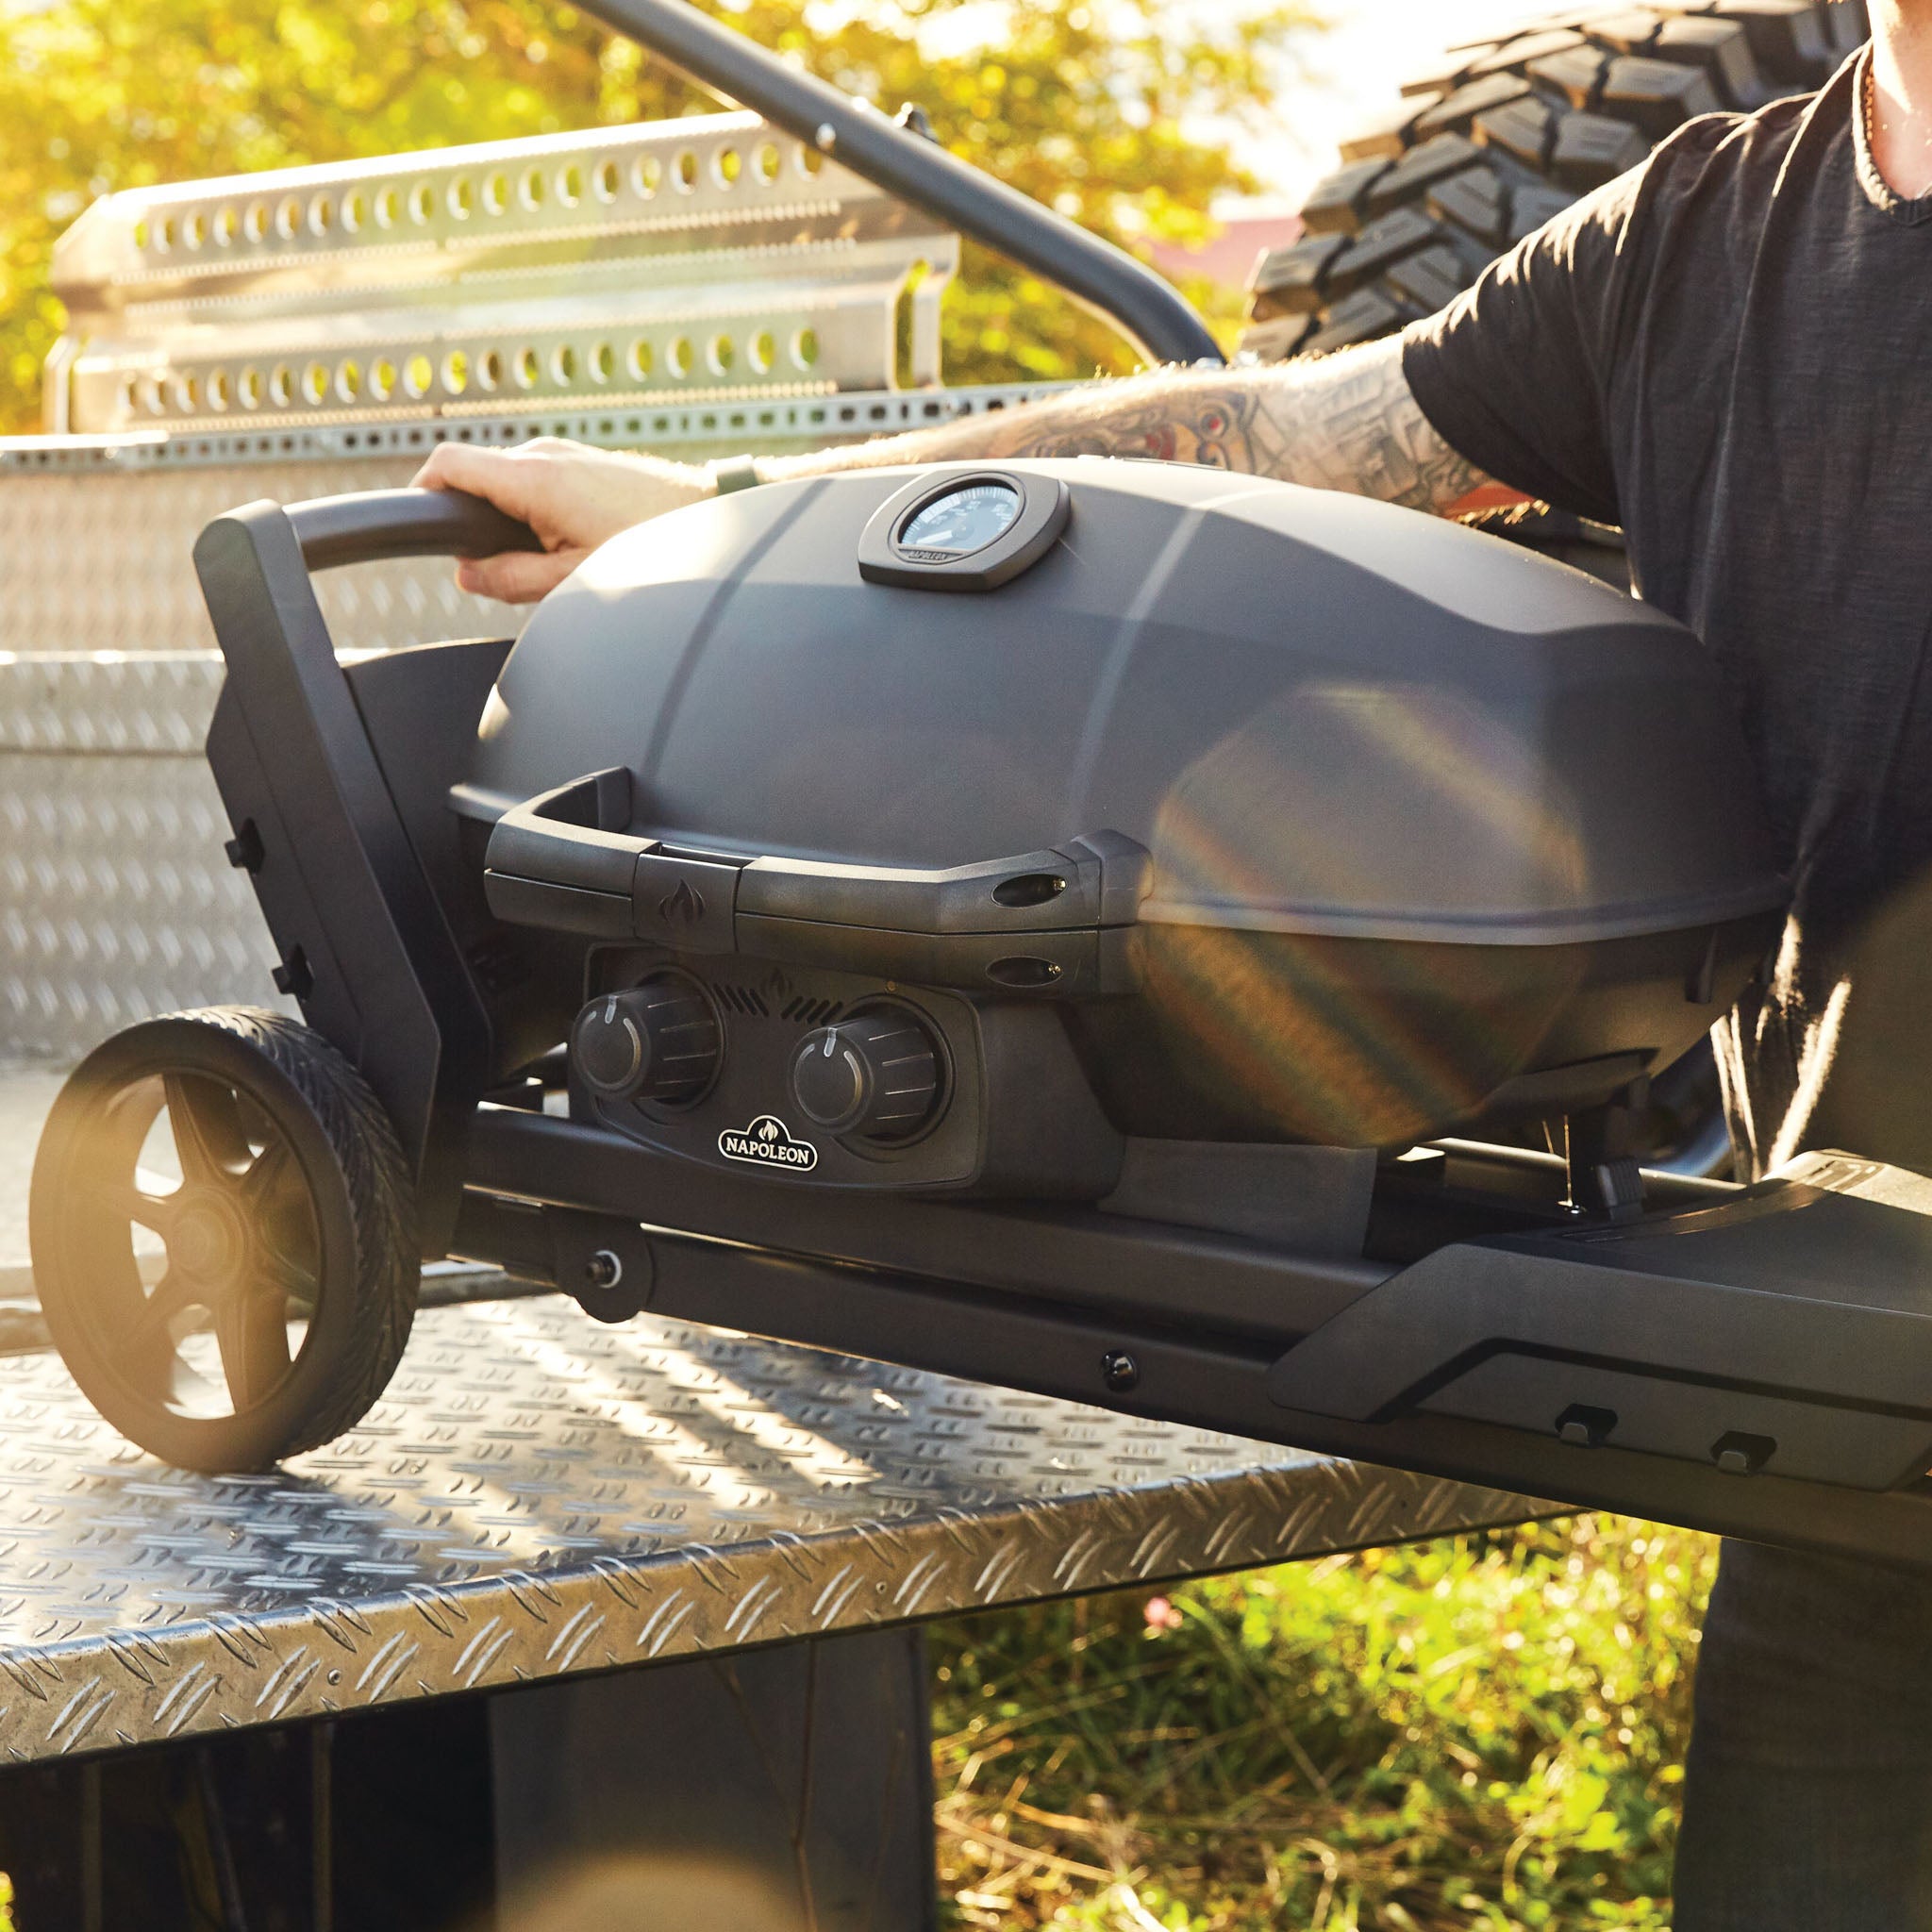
<point>1484,1733</point>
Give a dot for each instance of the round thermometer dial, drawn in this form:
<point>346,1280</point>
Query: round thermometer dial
<point>965,520</point>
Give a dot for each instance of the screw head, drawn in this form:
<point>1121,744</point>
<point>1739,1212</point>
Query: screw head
<point>602,1270</point>
<point>1120,1371</point>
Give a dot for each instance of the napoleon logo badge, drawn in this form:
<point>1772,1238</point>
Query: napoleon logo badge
<point>768,1143</point>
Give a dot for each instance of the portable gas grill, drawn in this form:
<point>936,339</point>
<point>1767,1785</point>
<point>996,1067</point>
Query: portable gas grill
<point>1112,928</point>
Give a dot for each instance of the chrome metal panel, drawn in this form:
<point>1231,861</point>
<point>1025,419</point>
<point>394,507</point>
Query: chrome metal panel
<point>537,1495</point>
<point>25,1094</point>
<point>115,899</point>
<point>97,533</point>
<point>708,259</point>
<point>102,561</point>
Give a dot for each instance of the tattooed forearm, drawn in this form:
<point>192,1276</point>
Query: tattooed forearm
<point>1346,423</point>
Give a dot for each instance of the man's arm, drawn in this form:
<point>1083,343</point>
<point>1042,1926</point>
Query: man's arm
<point>1347,422</point>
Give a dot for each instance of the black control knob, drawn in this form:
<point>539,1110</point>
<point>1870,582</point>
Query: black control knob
<point>875,1075</point>
<point>659,1042</point>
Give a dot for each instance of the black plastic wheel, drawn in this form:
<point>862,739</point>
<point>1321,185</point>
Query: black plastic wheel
<point>223,1238</point>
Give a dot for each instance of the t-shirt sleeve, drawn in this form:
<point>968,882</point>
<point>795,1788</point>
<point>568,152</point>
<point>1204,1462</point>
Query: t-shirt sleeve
<point>1515,373</point>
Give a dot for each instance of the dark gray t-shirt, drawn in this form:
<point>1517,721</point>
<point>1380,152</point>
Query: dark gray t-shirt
<point>1729,353</point>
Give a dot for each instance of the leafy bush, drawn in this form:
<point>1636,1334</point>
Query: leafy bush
<point>1485,1732</point>
<point>1099,111</point>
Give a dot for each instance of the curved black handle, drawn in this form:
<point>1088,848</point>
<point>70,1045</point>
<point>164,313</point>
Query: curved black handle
<point>565,862</point>
<point>374,525</point>
<point>1108,279</point>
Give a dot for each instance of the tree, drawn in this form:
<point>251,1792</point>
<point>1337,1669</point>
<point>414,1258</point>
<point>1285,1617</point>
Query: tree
<point>1087,105</point>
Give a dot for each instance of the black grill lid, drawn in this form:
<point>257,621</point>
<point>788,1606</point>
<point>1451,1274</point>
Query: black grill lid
<point>1316,713</point>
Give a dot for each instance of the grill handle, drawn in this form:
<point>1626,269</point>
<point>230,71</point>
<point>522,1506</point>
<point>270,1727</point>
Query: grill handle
<point>567,861</point>
<point>373,525</point>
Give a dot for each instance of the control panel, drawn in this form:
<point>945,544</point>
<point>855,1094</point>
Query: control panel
<point>802,1074</point>
<point>834,1079</point>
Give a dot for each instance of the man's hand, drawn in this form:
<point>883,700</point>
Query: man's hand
<point>574,497</point>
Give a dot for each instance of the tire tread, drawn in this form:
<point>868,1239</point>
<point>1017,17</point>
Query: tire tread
<point>1492,139</point>
<point>382,1205</point>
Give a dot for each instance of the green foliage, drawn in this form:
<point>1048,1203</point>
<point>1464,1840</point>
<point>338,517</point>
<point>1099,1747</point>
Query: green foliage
<point>1092,105</point>
<point>1485,1732</point>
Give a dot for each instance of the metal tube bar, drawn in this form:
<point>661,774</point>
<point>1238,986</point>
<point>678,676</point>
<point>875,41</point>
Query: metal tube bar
<point>1069,1254</point>
<point>1106,279</point>
<point>1205,1381</point>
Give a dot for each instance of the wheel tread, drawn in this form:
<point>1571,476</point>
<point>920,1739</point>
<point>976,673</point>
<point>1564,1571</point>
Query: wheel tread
<point>1591,149</point>
<point>1627,33</point>
<point>1529,50</point>
<point>388,1269</point>
<point>1434,160</point>
<point>1477,202</point>
<point>1525,128</point>
<point>1575,77</point>
<point>1493,137</point>
<point>1290,280</point>
<point>1377,249</point>
<point>1337,203</point>
<point>1455,114</point>
<point>1656,96</point>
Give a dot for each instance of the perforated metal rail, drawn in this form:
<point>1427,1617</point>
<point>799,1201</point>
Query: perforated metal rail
<point>708,260</point>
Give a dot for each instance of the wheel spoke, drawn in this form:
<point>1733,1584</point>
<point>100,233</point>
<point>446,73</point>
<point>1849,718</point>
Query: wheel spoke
<point>276,1204</point>
<point>252,1329</point>
<point>288,1275</point>
<point>207,1125</point>
<point>148,1340</point>
<point>132,1203</point>
<point>272,1170</point>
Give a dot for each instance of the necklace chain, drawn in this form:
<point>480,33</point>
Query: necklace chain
<point>1867,112</point>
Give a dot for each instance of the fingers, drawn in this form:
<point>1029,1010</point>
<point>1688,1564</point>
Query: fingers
<point>494,474</point>
<point>573,497</point>
<point>517,577</point>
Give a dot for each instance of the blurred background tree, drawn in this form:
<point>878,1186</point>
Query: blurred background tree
<point>1118,112</point>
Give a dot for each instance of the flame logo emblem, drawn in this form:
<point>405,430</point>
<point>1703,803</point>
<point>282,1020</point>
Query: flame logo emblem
<point>682,906</point>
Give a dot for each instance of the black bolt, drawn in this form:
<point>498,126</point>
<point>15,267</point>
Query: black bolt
<point>1120,1371</point>
<point>1588,1428</point>
<point>602,1270</point>
<point>292,976</point>
<point>245,849</point>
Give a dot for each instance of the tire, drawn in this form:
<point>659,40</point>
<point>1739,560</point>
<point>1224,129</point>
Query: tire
<point>266,1306</point>
<point>1494,139</point>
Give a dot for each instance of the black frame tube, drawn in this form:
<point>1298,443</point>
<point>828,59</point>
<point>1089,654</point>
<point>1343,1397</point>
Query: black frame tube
<point>1192,1370</point>
<point>1124,292</point>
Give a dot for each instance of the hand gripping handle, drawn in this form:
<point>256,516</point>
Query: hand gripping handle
<point>374,525</point>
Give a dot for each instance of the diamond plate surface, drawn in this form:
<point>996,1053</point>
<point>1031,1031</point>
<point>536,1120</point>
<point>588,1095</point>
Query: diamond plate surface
<point>25,1094</point>
<point>538,1495</point>
<point>97,561</point>
<point>115,899</point>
